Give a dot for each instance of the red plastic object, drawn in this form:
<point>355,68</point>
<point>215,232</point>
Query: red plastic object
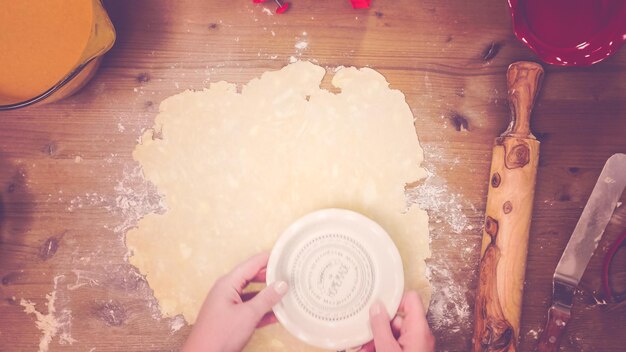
<point>605,270</point>
<point>283,8</point>
<point>360,4</point>
<point>570,32</point>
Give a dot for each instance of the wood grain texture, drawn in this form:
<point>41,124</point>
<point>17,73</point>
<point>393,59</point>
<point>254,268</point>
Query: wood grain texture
<point>449,59</point>
<point>505,244</point>
<point>514,162</point>
<point>524,81</point>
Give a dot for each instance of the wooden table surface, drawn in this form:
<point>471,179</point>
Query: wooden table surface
<point>69,187</point>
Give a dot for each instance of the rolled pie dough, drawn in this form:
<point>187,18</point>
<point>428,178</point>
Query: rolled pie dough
<point>235,169</point>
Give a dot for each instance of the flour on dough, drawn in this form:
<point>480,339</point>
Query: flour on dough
<point>235,169</point>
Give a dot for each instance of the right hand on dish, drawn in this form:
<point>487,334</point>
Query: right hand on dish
<point>407,332</point>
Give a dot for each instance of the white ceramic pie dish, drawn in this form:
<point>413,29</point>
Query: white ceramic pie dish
<point>337,263</point>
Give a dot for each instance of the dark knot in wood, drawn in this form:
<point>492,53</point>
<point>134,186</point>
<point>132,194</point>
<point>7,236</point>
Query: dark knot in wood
<point>459,121</point>
<point>11,278</point>
<point>143,77</point>
<point>50,148</point>
<point>507,207</point>
<point>49,248</point>
<point>491,227</point>
<point>491,51</point>
<point>495,180</point>
<point>518,156</point>
<point>497,335</point>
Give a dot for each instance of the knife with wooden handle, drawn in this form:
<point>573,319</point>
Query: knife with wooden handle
<point>507,220</point>
<point>580,248</point>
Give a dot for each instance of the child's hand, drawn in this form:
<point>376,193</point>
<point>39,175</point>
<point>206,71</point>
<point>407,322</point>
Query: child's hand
<point>407,332</point>
<point>228,317</point>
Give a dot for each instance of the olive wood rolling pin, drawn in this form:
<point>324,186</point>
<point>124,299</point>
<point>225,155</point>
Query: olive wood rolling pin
<point>507,219</point>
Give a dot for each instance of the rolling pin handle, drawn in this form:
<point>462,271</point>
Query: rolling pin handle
<point>523,81</point>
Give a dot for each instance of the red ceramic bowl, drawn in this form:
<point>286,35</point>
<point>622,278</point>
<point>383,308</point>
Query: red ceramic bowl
<point>570,32</point>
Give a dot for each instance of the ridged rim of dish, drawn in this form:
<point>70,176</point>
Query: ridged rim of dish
<point>605,43</point>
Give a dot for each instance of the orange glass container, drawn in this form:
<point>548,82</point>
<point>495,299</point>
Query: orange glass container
<point>49,49</point>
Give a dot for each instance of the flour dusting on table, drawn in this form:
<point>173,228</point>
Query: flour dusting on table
<point>433,195</point>
<point>450,308</point>
<point>177,323</point>
<point>52,323</point>
<point>135,198</point>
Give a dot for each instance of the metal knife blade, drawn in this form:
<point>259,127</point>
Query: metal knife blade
<point>580,248</point>
<point>593,221</point>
